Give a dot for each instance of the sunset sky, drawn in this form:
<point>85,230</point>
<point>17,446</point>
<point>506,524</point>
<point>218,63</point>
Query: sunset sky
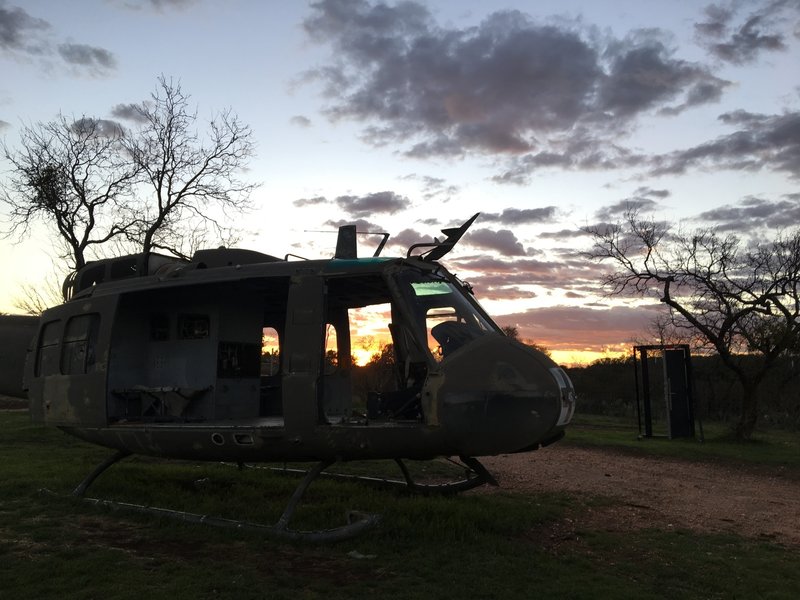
<point>544,116</point>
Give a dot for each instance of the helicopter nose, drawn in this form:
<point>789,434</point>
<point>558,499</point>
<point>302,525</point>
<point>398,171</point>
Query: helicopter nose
<point>499,396</point>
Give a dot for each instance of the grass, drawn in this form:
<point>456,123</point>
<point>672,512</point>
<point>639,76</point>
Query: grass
<point>773,448</point>
<point>477,545</point>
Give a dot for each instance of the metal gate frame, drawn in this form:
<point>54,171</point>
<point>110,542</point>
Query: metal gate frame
<point>680,410</point>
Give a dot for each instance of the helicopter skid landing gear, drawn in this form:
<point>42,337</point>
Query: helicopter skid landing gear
<point>357,522</point>
<point>477,475</point>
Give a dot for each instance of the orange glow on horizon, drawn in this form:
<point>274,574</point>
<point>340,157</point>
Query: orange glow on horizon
<point>367,345</point>
<point>362,356</point>
<point>582,358</point>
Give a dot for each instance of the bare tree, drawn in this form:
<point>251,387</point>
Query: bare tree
<point>103,189</point>
<point>35,299</point>
<point>190,177</point>
<point>70,175</point>
<point>742,301</point>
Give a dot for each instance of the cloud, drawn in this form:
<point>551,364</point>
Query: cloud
<point>516,216</point>
<point>647,192</point>
<point>562,234</point>
<point>434,187</point>
<point>300,121</point>
<point>159,6</point>
<point>753,213</point>
<point>369,235</point>
<point>503,241</point>
<point>362,225</point>
<point>640,202</point>
<point>508,86</point>
<point>4,125</point>
<point>717,21</point>
<point>128,112</point>
<point>764,29</point>
<point>563,272</point>
<point>96,59</point>
<point>579,328</point>
<point>378,202</point>
<point>22,33</point>
<point>103,127</point>
<point>619,209</point>
<point>359,207</point>
<point>179,4</point>
<point>643,74</point>
<point>315,201</point>
<point>760,142</point>
<point>400,242</point>
<point>583,149</point>
<point>19,31</point>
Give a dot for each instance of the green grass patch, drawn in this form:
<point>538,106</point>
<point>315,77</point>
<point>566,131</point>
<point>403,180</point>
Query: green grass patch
<point>773,448</point>
<point>476,545</point>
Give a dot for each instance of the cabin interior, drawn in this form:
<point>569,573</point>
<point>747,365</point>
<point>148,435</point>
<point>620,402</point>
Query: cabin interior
<point>216,353</point>
<point>261,349</point>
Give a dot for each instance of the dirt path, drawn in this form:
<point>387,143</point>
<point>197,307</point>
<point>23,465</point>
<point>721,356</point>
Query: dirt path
<point>661,492</point>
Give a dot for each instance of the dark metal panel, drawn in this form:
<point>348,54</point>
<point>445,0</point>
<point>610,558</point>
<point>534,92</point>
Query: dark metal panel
<point>16,335</point>
<point>303,354</point>
<point>681,421</point>
<point>70,389</point>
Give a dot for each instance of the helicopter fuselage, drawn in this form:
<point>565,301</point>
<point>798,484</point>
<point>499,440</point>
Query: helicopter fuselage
<point>239,356</point>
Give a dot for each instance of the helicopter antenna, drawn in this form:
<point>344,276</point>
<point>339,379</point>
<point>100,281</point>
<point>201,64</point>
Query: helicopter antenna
<point>384,239</point>
<point>346,246</point>
<point>439,249</point>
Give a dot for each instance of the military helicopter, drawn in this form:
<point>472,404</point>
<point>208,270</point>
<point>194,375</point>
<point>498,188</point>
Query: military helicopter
<point>160,356</point>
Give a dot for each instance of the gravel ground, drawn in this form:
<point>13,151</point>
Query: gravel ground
<point>660,492</point>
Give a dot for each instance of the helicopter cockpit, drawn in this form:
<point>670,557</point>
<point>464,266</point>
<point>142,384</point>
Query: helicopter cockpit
<point>448,318</point>
<point>418,316</point>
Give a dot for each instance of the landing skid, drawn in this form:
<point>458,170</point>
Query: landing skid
<point>477,475</point>
<point>357,522</point>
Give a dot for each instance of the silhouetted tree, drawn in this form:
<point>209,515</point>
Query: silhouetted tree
<point>513,332</point>
<point>743,302</point>
<point>189,177</point>
<point>34,299</point>
<point>160,186</point>
<point>72,176</point>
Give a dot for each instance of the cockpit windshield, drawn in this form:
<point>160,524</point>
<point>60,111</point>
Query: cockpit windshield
<point>443,315</point>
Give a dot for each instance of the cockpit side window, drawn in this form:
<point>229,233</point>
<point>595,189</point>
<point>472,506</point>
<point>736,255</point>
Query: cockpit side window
<point>79,346</point>
<point>47,351</point>
<point>446,319</point>
<point>447,332</point>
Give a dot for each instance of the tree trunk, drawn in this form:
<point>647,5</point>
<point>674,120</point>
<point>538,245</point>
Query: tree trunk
<point>743,430</point>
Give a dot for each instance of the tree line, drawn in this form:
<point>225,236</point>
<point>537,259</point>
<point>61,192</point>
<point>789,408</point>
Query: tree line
<point>608,387</point>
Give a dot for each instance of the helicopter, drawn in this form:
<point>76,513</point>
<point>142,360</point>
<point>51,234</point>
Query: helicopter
<point>161,356</point>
